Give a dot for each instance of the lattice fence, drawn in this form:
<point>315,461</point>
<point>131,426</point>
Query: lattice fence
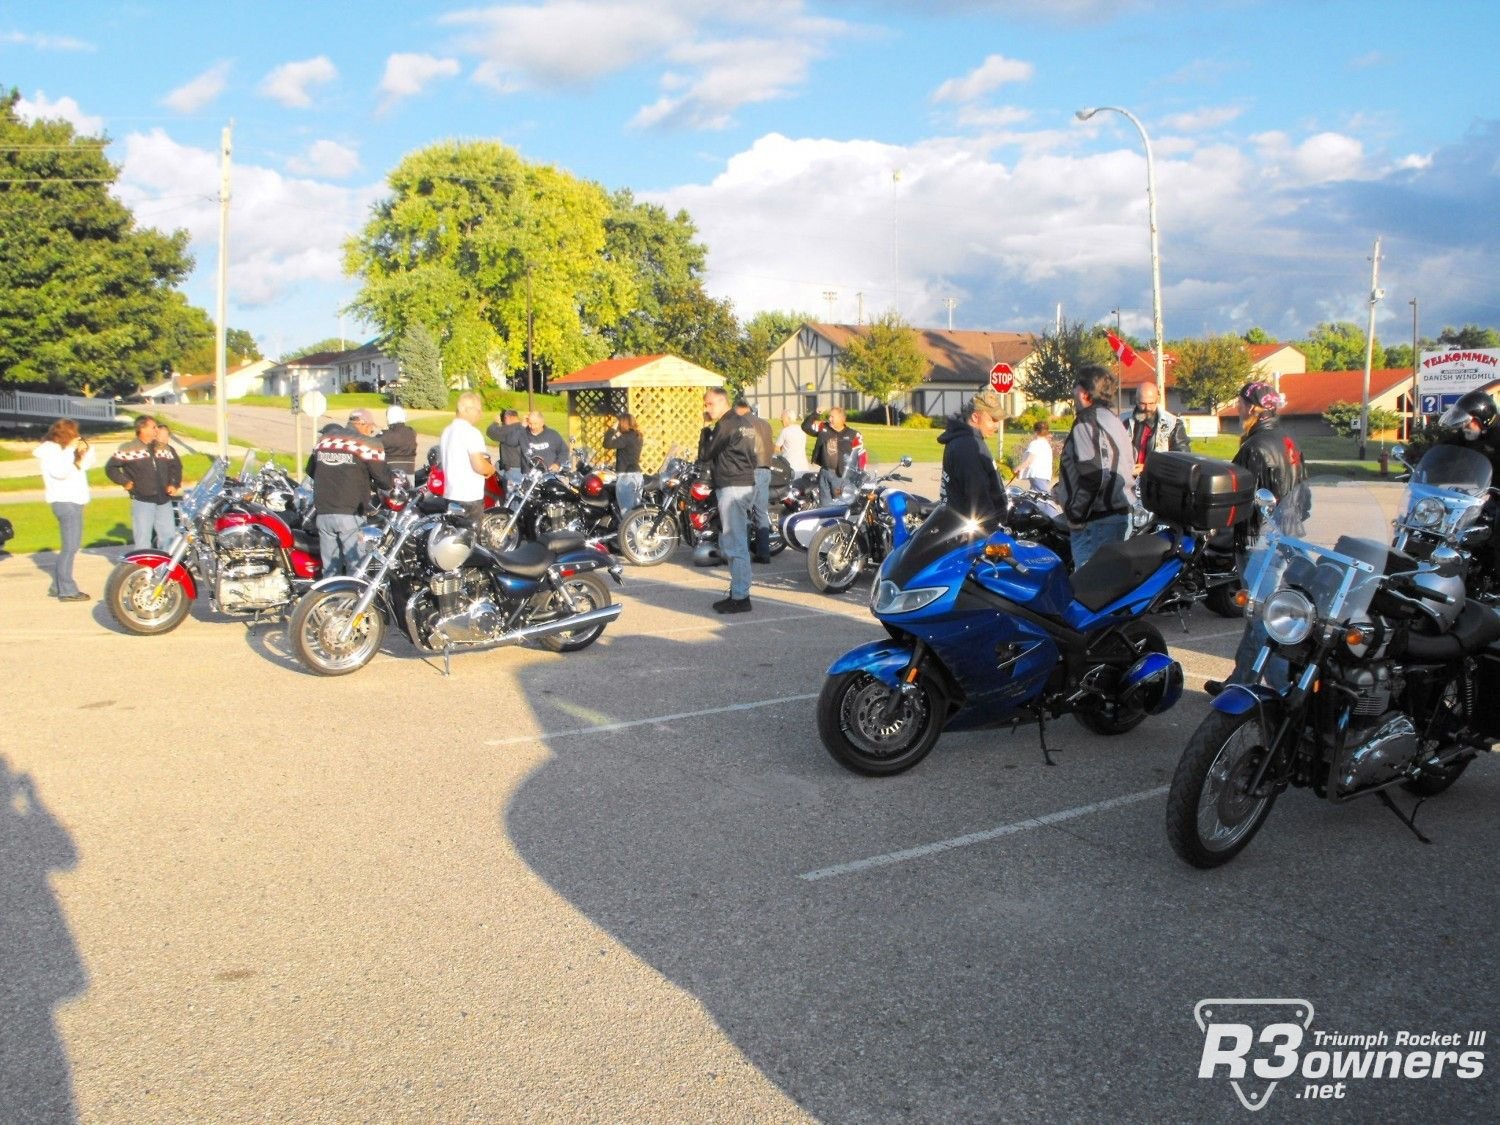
<point>667,416</point>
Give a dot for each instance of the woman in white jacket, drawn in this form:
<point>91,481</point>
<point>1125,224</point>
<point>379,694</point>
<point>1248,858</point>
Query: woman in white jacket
<point>66,459</point>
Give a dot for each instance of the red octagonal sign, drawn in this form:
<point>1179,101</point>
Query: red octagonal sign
<point>1002,378</point>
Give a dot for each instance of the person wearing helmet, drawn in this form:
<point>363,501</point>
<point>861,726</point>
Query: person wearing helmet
<point>1274,459</point>
<point>1470,422</point>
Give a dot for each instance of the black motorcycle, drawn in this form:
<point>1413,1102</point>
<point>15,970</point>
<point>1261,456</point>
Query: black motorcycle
<point>430,577</point>
<point>879,519</point>
<point>1371,675</point>
<point>578,498</point>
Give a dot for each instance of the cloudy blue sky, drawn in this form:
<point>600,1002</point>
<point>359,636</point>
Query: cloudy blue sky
<point>904,150</point>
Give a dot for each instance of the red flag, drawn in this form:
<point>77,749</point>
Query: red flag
<point>1122,350</point>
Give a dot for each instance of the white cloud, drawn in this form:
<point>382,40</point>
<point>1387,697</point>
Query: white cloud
<point>993,73</point>
<point>43,42</point>
<point>289,83</point>
<point>1210,117</point>
<point>325,158</point>
<point>198,92</point>
<point>991,117</point>
<point>1321,158</point>
<point>407,75</point>
<point>284,232</point>
<point>725,76</point>
<point>42,108</point>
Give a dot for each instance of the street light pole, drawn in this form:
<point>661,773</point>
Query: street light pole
<point>1160,342</point>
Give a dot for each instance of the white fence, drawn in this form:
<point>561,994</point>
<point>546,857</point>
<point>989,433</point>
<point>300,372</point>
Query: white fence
<point>34,405</point>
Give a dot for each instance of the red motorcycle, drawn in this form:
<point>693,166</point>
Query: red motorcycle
<point>239,538</point>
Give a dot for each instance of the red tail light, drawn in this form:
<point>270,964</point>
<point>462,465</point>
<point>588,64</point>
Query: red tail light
<point>592,485</point>
<point>700,490</point>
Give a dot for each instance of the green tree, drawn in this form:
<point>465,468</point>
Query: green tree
<point>1053,372</point>
<point>704,331</point>
<point>1258,336</point>
<point>1468,337</point>
<point>665,266</point>
<point>330,344</point>
<point>1336,347</point>
<point>85,293</point>
<point>470,236</point>
<point>191,341</point>
<point>1343,419</point>
<point>1397,355</point>
<point>421,362</point>
<point>241,347</point>
<point>884,361</point>
<point>1210,372</point>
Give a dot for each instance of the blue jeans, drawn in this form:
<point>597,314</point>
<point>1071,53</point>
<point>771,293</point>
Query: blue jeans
<point>762,507</point>
<point>147,519</point>
<point>1096,533</point>
<point>339,544</point>
<point>628,491</point>
<point>734,542</point>
<point>830,485</point>
<point>70,523</point>
<point>1037,484</point>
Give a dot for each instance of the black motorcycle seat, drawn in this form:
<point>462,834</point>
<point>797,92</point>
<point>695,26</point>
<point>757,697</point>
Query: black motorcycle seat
<point>562,540</point>
<point>922,506</point>
<point>529,560</point>
<point>1477,627</point>
<point>1117,568</point>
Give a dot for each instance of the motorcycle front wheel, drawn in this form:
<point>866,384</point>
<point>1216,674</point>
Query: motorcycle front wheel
<point>327,637</point>
<point>132,599</point>
<point>835,557</point>
<point>1220,599</point>
<point>648,536</point>
<point>855,728</point>
<point>589,593</point>
<point>499,532</point>
<point>1211,816</point>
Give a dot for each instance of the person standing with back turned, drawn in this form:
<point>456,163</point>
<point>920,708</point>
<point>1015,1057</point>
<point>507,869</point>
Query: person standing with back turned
<point>731,456</point>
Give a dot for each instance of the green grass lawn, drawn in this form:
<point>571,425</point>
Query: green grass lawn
<point>106,523</point>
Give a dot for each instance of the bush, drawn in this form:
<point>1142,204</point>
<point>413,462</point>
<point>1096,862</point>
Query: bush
<point>919,422</point>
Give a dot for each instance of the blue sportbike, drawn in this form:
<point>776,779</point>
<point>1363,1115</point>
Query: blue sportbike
<point>989,628</point>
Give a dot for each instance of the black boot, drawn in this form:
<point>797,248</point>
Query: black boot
<point>762,545</point>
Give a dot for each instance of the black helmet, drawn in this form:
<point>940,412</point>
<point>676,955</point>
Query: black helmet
<point>1476,405</point>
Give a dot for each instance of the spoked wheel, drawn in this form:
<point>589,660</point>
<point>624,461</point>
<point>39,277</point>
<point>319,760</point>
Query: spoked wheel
<point>778,540</point>
<point>589,593</point>
<point>499,532</point>
<point>857,727</point>
<point>648,536</point>
<point>1211,814</point>
<point>1108,716</point>
<point>138,606</point>
<point>327,636</point>
<point>835,558</point>
<point>1435,779</point>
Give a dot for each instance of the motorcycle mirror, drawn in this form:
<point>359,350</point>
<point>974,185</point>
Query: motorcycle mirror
<point>906,461</point>
<point>1265,500</point>
<point>1448,562</point>
<point>1399,453</point>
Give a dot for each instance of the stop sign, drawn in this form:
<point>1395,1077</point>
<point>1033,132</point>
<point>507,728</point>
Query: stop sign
<point>1002,378</point>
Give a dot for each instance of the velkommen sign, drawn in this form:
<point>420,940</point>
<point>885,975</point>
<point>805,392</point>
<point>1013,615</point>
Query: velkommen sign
<point>1445,375</point>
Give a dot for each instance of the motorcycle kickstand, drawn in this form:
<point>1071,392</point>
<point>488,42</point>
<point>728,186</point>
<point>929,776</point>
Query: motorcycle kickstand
<point>1408,819</point>
<point>1041,734</point>
<point>447,660</point>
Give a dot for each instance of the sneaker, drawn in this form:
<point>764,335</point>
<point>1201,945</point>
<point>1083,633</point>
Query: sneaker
<point>760,558</point>
<point>80,596</point>
<point>1213,687</point>
<point>732,605</point>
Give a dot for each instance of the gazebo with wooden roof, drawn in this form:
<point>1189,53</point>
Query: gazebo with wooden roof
<point>663,392</point>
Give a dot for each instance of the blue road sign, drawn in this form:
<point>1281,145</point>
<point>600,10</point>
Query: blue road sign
<point>1436,404</point>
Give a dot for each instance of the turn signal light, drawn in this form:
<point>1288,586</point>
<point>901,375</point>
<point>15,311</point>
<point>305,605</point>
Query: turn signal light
<point>1241,598</point>
<point>1358,635</point>
<point>997,551</point>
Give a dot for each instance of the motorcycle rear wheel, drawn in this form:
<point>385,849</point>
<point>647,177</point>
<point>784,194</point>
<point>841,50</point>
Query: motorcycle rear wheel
<point>648,536</point>
<point>852,724</point>
<point>317,627</point>
<point>1435,781</point>
<point>1210,817</point>
<point>1109,717</point>
<point>591,593</point>
<point>494,534</point>
<point>1220,599</point>
<point>129,597</point>
<point>835,558</point>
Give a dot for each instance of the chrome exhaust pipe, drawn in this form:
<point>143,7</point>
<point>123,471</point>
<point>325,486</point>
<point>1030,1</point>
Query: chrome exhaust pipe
<point>566,625</point>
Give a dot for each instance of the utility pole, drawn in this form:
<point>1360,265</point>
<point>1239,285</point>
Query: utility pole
<point>1415,403</point>
<point>830,295</point>
<point>221,332</point>
<point>530,371</point>
<point>950,302</point>
<point>1376,293</point>
<point>896,240</point>
<point>860,297</point>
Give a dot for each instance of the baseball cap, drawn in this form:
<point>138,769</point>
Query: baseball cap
<point>361,415</point>
<point>988,402</point>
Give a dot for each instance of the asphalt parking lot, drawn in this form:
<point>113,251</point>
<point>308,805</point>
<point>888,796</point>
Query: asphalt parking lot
<point>628,884</point>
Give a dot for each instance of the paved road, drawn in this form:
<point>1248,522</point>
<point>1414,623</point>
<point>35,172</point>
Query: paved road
<point>629,885</point>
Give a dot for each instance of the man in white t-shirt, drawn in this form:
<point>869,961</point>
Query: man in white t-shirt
<point>463,457</point>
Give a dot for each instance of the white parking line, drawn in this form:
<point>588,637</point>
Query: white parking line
<point>606,728</point>
<point>979,837</point>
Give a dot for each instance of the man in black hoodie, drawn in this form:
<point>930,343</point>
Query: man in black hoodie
<point>971,483</point>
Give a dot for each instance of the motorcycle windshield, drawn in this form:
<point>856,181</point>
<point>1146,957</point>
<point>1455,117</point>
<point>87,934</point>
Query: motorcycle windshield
<point>1453,466</point>
<point>209,486</point>
<point>1315,544</point>
<point>943,532</point>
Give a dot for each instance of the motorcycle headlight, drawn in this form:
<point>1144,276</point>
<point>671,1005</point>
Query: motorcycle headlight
<point>1428,512</point>
<point>1288,616</point>
<point>890,599</point>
